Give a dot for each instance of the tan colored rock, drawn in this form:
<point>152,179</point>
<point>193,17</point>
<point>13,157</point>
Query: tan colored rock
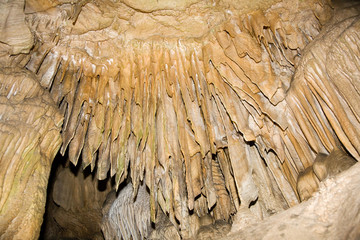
<point>30,134</point>
<point>128,217</point>
<point>330,165</point>
<point>150,6</point>
<point>175,96</point>
<point>307,183</point>
<point>330,214</point>
<point>324,166</point>
<point>15,35</point>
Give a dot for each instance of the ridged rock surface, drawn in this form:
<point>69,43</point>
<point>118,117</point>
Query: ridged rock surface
<point>333,214</point>
<point>15,35</point>
<point>128,217</point>
<point>30,126</point>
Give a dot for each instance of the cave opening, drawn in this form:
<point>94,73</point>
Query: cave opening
<point>75,202</point>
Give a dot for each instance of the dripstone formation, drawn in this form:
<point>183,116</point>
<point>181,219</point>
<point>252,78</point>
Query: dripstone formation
<point>179,119</point>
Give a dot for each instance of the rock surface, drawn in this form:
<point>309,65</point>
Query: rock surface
<point>155,102</point>
<point>15,35</point>
<point>30,135</point>
<point>333,213</point>
<point>128,218</point>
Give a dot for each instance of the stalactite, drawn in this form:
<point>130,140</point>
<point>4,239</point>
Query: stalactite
<point>212,116</point>
<point>164,109</point>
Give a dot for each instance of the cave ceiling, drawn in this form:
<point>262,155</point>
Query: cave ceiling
<point>213,104</point>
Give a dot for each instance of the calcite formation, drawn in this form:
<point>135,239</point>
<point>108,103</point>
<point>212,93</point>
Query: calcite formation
<point>30,126</point>
<point>216,106</point>
<point>331,214</point>
<point>15,35</point>
<point>128,217</point>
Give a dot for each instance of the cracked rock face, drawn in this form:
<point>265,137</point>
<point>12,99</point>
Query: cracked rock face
<point>214,106</point>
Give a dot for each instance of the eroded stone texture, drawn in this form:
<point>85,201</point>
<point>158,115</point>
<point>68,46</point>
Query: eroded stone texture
<point>331,214</point>
<point>30,137</point>
<point>317,97</point>
<point>129,216</point>
<point>15,35</point>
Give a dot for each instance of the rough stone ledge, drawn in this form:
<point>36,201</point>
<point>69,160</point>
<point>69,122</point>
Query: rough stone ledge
<point>333,213</point>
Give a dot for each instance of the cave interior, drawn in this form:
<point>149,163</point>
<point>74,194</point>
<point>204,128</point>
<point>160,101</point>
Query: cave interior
<point>179,119</point>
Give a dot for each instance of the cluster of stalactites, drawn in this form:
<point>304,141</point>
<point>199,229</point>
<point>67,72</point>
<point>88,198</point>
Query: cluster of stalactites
<point>205,125</point>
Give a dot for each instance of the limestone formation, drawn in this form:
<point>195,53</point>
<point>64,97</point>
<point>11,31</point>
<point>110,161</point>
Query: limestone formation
<point>325,166</point>
<point>330,165</point>
<point>128,217</point>
<point>213,107</point>
<point>30,135</point>
<point>331,214</point>
<point>307,183</point>
<point>15,34</point>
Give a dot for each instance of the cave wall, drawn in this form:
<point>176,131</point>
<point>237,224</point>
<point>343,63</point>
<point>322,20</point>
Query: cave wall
<point>30,134</point>
<point>215,105</point>
<point>331,214</point>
